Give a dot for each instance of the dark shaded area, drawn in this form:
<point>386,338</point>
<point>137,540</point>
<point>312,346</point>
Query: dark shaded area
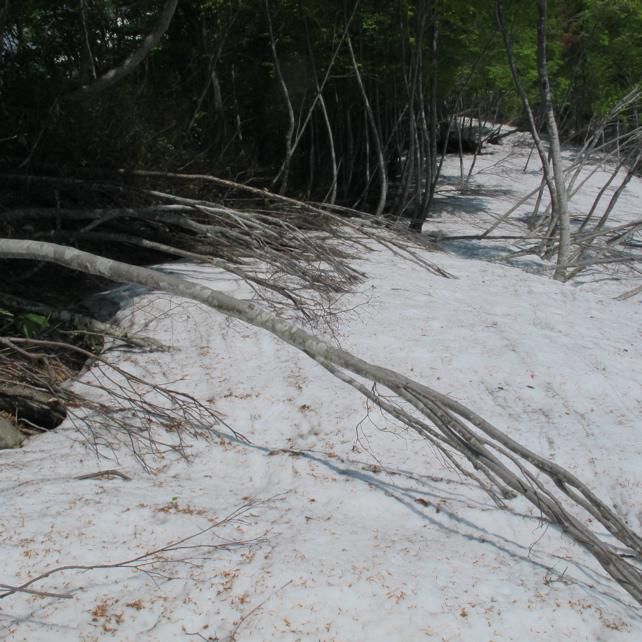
<point>266,94</point>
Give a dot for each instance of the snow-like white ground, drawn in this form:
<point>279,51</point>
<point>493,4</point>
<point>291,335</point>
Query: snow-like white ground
<point>356,530</point>
<point>504,174</point>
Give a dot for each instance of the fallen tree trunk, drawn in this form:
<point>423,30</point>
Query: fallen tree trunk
<point>464,437</point>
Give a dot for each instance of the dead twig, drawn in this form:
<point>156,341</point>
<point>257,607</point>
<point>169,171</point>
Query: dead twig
<point>251,612</point>
<point>139,561</point>
<point>121,406</point>
<point>105,474</point>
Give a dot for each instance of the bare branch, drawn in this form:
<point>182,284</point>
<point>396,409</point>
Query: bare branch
<point>465,434</point>
<point>139,561</point>
<point>115,75</point>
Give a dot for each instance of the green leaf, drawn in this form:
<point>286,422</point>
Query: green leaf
<point>30,323</point>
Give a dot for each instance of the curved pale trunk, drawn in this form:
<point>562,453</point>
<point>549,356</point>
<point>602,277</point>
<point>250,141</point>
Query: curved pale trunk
<point>115,75</point>
<point>446,424</point>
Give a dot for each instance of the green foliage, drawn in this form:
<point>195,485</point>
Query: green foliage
<point>602,52</point>
<point>30,324</point>
<point>208,96</point>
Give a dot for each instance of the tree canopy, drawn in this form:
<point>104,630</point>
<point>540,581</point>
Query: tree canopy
<point>236,87</point>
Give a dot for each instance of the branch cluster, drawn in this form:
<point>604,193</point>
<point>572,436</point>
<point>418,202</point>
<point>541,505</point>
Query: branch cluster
<point>469,442</point>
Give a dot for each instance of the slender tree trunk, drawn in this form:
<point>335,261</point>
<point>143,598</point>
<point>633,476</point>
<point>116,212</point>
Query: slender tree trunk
<point>429,126</point>
<point>381,162</point>
<point>115,75</point>
<point>331,195</point>
<point>553,171</point>
<point>284,172</point>
<point>560,204</point>
<point>292,141</point>
<point>407,144</point>
<point>87,65</point>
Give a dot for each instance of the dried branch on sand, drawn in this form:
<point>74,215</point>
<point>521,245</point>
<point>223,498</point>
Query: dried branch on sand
<point>466,439</point>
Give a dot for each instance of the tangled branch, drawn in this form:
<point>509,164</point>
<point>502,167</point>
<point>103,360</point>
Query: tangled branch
<point>109,404</point>
<point>454,430</point>
<point>144,562</point>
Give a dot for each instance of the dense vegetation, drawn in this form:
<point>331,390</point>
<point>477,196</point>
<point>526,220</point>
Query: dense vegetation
<point>351,102</point>
<point>305,96</point>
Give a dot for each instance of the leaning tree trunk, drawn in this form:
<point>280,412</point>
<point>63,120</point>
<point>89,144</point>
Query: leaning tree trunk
<point>381,162</point>
<point>473,445</point>
<point>554,177</point>
<point>115,75</point>
<point>284,172</point>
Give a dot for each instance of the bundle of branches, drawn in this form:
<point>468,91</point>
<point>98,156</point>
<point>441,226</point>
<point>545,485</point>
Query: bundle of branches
<point>293,255</point>
<point>473,445</point>
<point>613,141</point>
<point>44,347</point>
<point>594,239</point>
<point>108,406</point>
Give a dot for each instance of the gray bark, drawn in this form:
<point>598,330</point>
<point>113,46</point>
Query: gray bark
<point>554,176</point>
<point>560,202</point>
<point>539,145</point>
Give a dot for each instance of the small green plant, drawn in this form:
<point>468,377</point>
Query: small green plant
<point>29,323</point>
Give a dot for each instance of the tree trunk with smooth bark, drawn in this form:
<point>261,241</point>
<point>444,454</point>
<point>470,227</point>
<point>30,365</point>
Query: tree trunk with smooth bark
<point>560,203</point>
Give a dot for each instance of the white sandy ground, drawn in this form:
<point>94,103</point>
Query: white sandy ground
<point>500,177</point>
<point>362,534</point>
